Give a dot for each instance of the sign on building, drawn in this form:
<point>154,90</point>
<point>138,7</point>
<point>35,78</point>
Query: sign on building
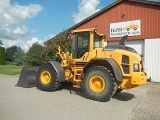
<point>130,28</point>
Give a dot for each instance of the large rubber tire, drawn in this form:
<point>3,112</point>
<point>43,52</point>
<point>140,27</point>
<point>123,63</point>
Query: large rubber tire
<point>99,84</point>
<point>47,78</point>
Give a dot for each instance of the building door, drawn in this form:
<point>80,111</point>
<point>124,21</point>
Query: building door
<point>152,59</point>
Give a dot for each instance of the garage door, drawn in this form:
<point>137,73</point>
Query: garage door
<point>137,45</point>
<point>152,58</point>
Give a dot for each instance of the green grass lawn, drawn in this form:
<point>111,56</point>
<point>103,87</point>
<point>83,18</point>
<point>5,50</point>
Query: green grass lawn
<point>10,69</point>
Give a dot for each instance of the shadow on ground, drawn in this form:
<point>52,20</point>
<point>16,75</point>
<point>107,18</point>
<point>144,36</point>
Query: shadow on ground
<point>123,96</point>
<point>75,91</point>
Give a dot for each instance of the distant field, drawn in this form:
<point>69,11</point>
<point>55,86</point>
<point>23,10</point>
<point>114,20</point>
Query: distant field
<point>10,69</point>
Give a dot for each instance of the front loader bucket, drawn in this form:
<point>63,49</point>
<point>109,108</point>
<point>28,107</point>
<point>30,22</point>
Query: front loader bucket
<point>27,77</point>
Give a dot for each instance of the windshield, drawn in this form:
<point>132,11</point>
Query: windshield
<point>80,44</point>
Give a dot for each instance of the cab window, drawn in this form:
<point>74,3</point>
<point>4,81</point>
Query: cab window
<point>97,41</point>
<point>82,43</point>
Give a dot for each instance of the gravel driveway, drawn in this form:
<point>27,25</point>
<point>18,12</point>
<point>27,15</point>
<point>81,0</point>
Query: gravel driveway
<point>16,103</point>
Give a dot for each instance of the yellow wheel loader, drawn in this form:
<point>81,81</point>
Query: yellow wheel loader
<point>99,71</point>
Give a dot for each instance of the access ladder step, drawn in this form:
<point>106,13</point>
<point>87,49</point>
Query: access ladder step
<point>76,86</point>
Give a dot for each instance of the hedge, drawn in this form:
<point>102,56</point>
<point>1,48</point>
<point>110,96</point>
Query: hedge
<point>2,55</point>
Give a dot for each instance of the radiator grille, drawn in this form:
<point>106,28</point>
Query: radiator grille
<point>125,64</point>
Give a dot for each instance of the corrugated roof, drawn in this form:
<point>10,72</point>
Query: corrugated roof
<point>105,9</point>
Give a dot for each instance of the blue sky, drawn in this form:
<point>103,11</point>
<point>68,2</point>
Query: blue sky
<point>23,22</point>
<point>58,14</point>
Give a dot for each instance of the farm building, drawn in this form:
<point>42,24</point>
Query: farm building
<point>140,20</point>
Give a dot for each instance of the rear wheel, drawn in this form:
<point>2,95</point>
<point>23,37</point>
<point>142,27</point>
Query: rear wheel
<point>47,78</point>
<point>99,84</point>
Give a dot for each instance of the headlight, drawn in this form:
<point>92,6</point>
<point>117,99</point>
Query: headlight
<point>136,66</point>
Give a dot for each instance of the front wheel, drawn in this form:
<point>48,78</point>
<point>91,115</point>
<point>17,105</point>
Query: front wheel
<point>47,78</point>
<point>99,84</point>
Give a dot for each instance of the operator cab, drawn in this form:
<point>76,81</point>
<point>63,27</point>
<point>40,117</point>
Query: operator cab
<point>84,41</point>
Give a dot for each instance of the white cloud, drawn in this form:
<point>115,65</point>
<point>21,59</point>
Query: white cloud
<point>12,18</point>
<point>24,44</point>
<point>31,42</point>
<point>86,8</point>
<point>9,32</point>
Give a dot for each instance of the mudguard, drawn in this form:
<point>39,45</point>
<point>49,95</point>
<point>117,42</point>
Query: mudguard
<point>116,69</point>
<point>59,70</point>
<point>108,63</point>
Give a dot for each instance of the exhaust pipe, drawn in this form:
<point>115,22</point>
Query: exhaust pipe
<point>123,39</point>
<point>27,77</point>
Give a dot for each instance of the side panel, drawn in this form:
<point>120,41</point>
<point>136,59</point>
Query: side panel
<point>108,63</point>
<point>59,70</point>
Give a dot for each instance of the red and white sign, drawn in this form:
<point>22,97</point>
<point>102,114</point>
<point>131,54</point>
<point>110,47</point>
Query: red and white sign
<point>130,28</point>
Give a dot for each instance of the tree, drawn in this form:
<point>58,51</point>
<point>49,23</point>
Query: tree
<point>10,52</point>
<point>1,43</point>
<point>2,55</point>
<point>18,56</point>
<point>51,49</point>
<point>33,56</point>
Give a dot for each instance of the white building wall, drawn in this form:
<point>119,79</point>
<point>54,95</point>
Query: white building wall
<point>152,59</point>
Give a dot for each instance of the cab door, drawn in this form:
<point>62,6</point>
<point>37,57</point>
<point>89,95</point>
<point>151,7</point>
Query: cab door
<point>80,44</point>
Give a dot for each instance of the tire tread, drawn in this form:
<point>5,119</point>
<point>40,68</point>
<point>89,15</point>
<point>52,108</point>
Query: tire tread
<point>113,83</point>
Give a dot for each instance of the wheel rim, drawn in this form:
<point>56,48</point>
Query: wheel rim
<point>97,84</point>
<point>45,77</point>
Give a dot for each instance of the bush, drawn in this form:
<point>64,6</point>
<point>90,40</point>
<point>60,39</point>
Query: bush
<point>18,56</point>
<point>33,56</point>
<point>2,55</point>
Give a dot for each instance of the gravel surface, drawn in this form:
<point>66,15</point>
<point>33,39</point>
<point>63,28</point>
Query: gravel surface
<point>16,103</point>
